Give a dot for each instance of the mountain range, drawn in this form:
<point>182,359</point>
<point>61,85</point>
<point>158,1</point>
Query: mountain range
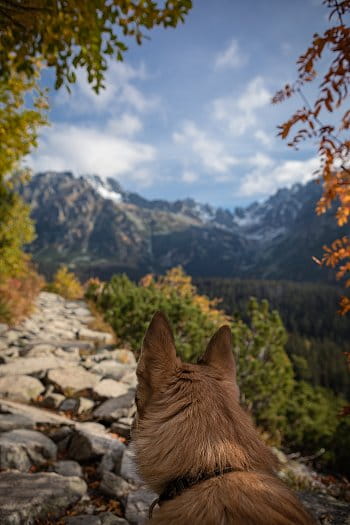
<point>98,229</point>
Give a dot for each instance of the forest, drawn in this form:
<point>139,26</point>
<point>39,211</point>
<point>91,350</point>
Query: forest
<point>317,335</point>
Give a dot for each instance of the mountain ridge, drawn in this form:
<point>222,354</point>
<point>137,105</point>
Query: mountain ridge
<point>96,227</point>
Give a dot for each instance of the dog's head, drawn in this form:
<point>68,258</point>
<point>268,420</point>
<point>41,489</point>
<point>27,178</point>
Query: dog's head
<point>188,415</point>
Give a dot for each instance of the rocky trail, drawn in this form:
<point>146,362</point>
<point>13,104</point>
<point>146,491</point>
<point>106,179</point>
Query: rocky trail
<point>66,407</point>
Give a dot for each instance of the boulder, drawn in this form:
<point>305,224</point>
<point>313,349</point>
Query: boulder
<point>36,415</point>
<point>21,448</point>
<point>115,408</point>
<point>128,469</point>
<point>108,388</point>
<point>88,443</point>
<point>111,461</point>
<point>31,365</point>
<point>20,388</point>
<point>85,405</point>
<point>122,356</point>
<point>114,486</point>
<point>67,468</point>
<point>106,518</point>
<point>72,380</point>
<point>103,337</point>
<point>70,404</point>
<point>12,421</point>
<point>36,498</point>
<point>122,427</point>
<point>110,369</point>
<point>52,400</point>
<point>326,509</point>
<point>137,506</point>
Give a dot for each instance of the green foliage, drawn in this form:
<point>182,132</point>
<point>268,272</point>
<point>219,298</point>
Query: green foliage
<point>66,284</point>
<point>128,308</point>
<point>317,335</point>
<point>312,417</point>
<point>16,230</point>
<point>292,412</point>
<point>265,373</point>
<point>18,133</point>
<point>75,34</point>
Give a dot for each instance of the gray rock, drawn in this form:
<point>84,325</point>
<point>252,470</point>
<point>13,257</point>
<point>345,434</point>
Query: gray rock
<point>21,448</point>
<point>122,356</point>
<point>70,404</point>
<point>32,498</point>
<point>106,518</point>
<point>110,369</point>
<point>21,388</point>
<point>61,433</point>
<point>36,415</point>
<point>108,388</point>
<point>87,443</point>
<point>137,506</point>
<point>71,355</point>
<point>115,486</point>
<point>85,405</point>
<point>103,337</point>
<point>12,421</point>
<point>122,427</point>
<point>52,400</point>
<point>128,469</point>
<point>67,468</point>
<point>31,365</point>
<point>326,509</point>
<point>130,379</point>
<point>111,461</point>
<point>72,380</point>
<point>115,408</point>
<point>40,350</point>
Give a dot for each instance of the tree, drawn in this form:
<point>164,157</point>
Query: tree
<point>63,35</point>
<point>70,34</point>
<point>18,133</point>
<point>265,373</point>
<point>331,135</point>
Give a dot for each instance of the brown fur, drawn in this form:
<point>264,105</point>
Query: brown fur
<point>189,421</point>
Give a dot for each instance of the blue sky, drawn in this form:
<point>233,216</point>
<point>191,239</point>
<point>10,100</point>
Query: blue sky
<point>188,113</point>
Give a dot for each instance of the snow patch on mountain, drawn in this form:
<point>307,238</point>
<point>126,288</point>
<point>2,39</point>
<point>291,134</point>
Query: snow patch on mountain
<point>107,188</point>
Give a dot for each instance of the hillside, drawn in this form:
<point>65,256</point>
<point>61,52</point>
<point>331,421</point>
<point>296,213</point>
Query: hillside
<point>100,229</point>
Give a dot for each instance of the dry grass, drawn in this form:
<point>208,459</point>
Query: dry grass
<point>17,296</point>
<point>98,323</point>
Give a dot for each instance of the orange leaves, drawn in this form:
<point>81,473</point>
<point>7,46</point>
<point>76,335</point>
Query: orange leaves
<point>333,146</point>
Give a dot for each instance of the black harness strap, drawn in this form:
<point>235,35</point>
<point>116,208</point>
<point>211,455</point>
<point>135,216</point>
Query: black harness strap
<point>177,486</point>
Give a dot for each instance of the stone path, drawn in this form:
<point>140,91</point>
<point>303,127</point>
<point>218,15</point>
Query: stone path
<point>66,407</point>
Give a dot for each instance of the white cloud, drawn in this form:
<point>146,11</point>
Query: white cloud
<point>231,57</point>
<point>119,90</point>
<point>239,114</point>
<point>269,176</point>
<point>189,176</point>
<point>127,125</point>
<point>210,152</point>
<point>264,138</point>
<point>83,149</point>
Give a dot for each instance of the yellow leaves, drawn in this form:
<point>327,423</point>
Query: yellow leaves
<point>74,34</point>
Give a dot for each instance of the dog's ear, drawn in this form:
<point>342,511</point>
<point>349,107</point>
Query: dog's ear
<point>158,353</point>
<point>219,352</point>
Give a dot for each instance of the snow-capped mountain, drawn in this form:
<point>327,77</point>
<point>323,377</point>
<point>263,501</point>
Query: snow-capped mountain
<point>96,226</point>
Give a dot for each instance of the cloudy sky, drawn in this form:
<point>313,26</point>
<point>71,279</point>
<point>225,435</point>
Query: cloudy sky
<point>189,113</point>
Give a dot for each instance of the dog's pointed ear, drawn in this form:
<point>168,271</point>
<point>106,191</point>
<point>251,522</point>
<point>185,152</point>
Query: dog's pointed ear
<point>158,353</point>
<point>219,352</point>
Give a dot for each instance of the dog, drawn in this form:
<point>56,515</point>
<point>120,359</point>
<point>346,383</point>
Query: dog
<point>194,444</point>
